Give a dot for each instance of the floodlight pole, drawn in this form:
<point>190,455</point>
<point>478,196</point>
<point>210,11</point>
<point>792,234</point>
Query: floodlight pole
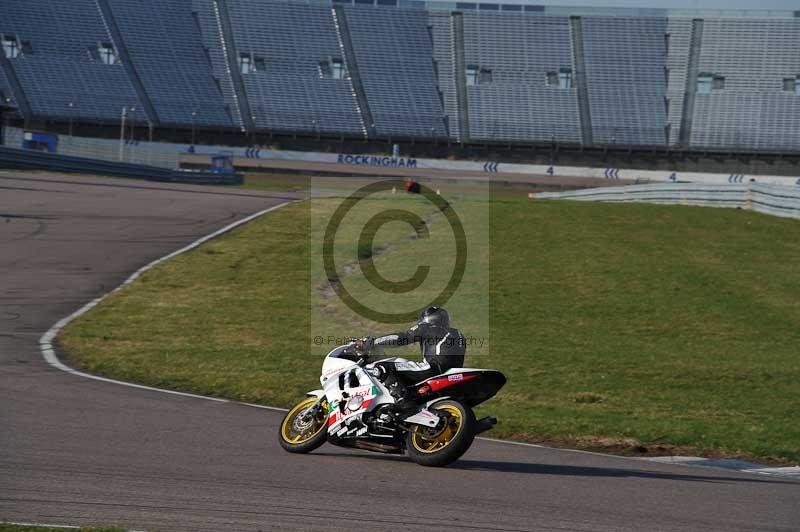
<point>122,134</point>
<point>150,139</point>
<point>71,106</point>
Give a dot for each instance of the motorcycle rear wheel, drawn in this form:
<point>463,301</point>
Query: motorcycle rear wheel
<point>302,431</point>
<point>446,444</point>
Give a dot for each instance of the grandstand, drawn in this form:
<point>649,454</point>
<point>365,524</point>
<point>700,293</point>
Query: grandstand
<point>64,61</point>
<point>286,57</point>
<point>519,71</point>
<point>625,65</point>
<point>394,53</point>
<point>166,53</point>
<point>397,70</point>
<point>6,95</point>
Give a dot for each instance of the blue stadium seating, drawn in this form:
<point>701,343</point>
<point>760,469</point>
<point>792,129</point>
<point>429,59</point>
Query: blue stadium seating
<point>6,97</point>
<point>289,93</point>
<point>444,58</point>
<point>625,62</point>
<point>59,73</point>
<point>517,104</point>
<point>165,46</point>
<point>180,56</point>
<point>753,110</point>
<point>211,32</point>
<point>394,53</point>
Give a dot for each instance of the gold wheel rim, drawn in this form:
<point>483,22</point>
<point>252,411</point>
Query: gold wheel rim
<point>436,443</point>
<point>294,432</point>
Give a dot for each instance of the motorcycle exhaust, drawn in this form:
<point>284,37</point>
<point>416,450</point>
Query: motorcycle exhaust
<point>378,447</point>
<point>484,424</point>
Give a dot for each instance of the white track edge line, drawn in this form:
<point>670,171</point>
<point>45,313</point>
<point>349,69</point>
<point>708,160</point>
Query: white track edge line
<point>43,525</point>
<point>46,340</point>
<point>71,527</point>
<point>49,354</point>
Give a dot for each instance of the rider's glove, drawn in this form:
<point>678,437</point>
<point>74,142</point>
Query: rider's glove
<point>365,344</point>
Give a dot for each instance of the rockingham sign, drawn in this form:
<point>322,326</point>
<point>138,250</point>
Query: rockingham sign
<point>384,161</point>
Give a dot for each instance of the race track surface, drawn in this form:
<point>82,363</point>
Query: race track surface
<point>81,452</point>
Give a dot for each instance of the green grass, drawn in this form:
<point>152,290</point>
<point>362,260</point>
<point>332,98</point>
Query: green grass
<point>617,325</point>
<point>24,528</point>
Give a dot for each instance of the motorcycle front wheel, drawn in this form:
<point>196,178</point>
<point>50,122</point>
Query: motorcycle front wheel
<point>303,429</point>
<point>447,442</point>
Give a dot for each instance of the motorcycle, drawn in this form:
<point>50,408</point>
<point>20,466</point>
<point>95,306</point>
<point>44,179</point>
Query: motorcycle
<point>355,409</point>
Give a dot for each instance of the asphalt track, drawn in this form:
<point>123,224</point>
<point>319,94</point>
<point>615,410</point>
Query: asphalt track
<point>82,452</point>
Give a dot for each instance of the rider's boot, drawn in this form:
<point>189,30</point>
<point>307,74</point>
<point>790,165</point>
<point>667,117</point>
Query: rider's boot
<point>404,399</point>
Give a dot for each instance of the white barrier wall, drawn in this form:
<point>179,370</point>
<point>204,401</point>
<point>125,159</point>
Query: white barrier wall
<point>776,200</point>
<point>167,155</point>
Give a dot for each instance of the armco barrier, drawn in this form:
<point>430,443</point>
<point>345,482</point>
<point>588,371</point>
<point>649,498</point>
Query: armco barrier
<point>769,199</point>
<point>33,160</point>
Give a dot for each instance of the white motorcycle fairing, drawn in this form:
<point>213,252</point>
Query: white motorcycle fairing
<point>352,391</point>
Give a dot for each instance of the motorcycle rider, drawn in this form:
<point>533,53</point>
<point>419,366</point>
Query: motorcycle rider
<point>442,347</point>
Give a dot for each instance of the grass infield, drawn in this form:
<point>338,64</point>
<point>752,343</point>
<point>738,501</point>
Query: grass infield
<point>625,328</point>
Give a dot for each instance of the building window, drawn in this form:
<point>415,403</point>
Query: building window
<point>477,75</point>
<point>666,43</point>
<point>561,79</point>
<point>704,84</point>
<point>332,69</point>
<point>565,78</point>
<point>246,64</point>
<point>106,53</point>
<point>792,85</point>
<point>337,69</point>
<point>472,75</point>
<point>10,46</point>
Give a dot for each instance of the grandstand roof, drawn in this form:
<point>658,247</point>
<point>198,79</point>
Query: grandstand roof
<point>535,6</point>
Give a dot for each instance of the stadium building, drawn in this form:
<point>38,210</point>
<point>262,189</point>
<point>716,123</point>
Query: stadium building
<point>455,73</point>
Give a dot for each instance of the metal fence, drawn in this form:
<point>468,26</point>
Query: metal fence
<point>130,151</point>
<point>775,200</point>
<point>34,160</point>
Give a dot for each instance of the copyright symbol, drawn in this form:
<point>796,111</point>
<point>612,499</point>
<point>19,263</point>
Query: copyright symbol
<point>365,241</point>
<point>319,340</point>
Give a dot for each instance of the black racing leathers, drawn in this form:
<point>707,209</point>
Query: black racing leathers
<point>441,350</point>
